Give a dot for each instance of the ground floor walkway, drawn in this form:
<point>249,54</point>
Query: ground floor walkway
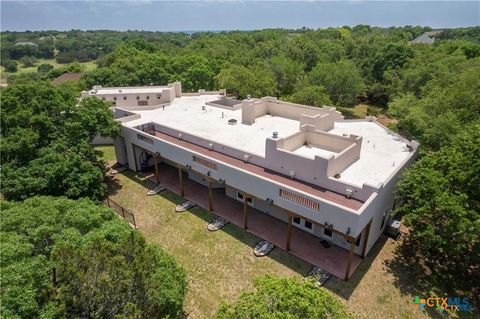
<point>302,244</point>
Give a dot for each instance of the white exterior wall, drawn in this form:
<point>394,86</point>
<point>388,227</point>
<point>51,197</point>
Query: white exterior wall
<point>339,216</point>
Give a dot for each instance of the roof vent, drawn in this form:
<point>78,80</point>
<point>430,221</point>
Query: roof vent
<point>348,192</point>
<point>204,108</point>
<point>275,135</point>
<point>246,158</point>
<point>291,174</point>
<point>180,136</point>
<point>232,121</point>
<point>210,146</point>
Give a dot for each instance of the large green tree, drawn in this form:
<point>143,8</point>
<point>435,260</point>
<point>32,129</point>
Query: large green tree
<point>284,298</point>
<point>442,208</point>
<point>46,141</point>
<point>64,258</point>
<point>242,81</point>
<point>341,79</point>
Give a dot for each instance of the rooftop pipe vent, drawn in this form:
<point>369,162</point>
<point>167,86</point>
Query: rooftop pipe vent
<point>275,134</point>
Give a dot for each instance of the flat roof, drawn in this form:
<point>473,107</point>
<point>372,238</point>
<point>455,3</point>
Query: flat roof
<point>381,154</point>
<point>186,114</point>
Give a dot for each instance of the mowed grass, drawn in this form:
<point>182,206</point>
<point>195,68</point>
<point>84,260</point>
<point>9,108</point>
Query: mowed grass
<point>221,265</point>
<point>88,66</point>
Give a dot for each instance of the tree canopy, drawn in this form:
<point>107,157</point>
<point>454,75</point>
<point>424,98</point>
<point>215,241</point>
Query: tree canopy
<point>46,141</point>
<point>64,258</point>
<point>291,298</point>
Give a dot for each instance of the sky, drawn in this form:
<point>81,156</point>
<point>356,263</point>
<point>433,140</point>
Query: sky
<point>232,15</point>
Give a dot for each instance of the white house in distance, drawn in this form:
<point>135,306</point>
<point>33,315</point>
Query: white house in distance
<point>305,170</point>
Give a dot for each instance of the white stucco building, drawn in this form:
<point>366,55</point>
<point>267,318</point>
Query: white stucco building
<point>306,166</point>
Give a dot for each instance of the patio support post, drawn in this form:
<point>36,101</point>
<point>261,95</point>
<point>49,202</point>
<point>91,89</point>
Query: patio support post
<point>180,177</point>
<point>135,157</point>
<point>210,204</point>
<point>350,257</point>
<point>289,230</point>
<point>155,158</point>
<point>365,240</point>
<point>245,215</point>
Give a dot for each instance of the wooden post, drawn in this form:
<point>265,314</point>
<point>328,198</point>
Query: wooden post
<point>350,257</point>
<point>210,205</point>
<point>365,240</point>
<point>156,168</point>
<point>108,202</point>
<point>245,215</point>
<point>180,176</point>
<point>289,230</point>
<point>123,212</point>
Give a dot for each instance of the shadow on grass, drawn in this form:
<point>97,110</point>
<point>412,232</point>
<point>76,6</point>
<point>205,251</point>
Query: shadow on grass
<point>294,263</point>
<point>412,278</point>
<point>345,289</point>
<point>341,288</point>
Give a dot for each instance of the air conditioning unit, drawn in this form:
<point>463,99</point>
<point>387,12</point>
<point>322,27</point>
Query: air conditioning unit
<point>291,174</point>
<point>246,157</point>
<point>348,193</point>
<point>210,146</point>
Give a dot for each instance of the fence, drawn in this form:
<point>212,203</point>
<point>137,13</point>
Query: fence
<point>121,211</point>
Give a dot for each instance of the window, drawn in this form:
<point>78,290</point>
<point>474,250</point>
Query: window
<point>114,103</point>
<point>383,219</point>
<point>308,224</point>
<point>327,232</point>
<point>124,98</point>
<point>138,98</point>
<point>296,220</point>
<point>249,199</point>
<point>114,98</point>
<point>142,103</point>
<point>148,97</point>
<point>359,239</point>
<point>299,199</point>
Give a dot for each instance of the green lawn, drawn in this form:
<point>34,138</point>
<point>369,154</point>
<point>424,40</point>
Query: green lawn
<point>107,153</point>
<point>221,265</point>
<point>88,66</point>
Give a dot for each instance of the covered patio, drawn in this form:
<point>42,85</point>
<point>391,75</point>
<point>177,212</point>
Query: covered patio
<point>338,261</point>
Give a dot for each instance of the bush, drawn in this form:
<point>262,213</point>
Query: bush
<point>284,298</point>
<point>44,68</point>
<point>10,65</point>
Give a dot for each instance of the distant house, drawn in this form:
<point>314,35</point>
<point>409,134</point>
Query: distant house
<point>423,39</point>
<point>70,76</point>
<point>27,43</point>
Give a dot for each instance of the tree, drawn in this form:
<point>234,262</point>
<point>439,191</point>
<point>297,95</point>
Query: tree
<point>46,141</point>
<point>311,95</point>
<point>44,68</point>
<point>28,61</point>
<point>287,73</point>
<point>242,81</point>
<point>284,298</point>
<point>442,209</point>
<point>10,66</point>
<point>341,80</point>
<point>66,258</point>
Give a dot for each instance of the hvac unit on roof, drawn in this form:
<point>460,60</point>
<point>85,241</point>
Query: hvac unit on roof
<point>246,157</point>
<point>275,134</point>
<point>210,146</point>
<point>291,174</point>
<point>348,192</point>
<point>232,121</point>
